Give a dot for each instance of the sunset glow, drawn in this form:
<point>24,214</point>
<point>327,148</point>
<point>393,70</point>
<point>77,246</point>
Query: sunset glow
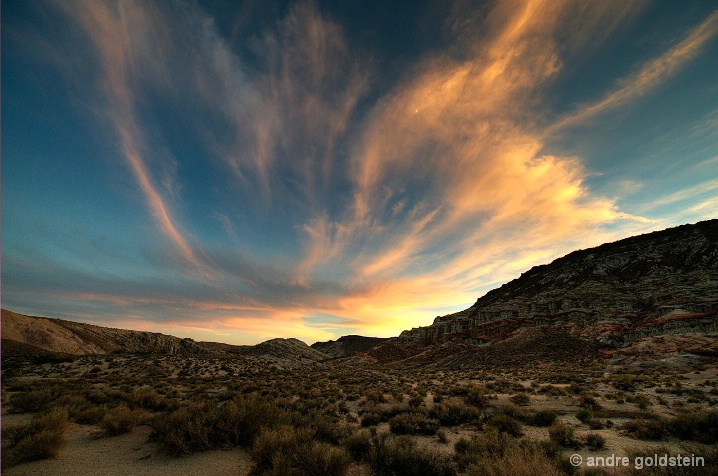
<point>236,172</point>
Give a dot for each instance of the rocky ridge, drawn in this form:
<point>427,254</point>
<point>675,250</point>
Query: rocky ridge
<point>292,349</point>
<point>642,297</point>
<point>614,295</point>
<point>40,336</point>
<point>348,345</point>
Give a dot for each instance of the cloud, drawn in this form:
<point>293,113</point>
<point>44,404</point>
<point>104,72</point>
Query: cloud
<point>380,207</point>
<point>451,194</point>
<point>289,116</point>
<point>648,77</point>
<point>121,34</point>
<point>458,135</point>
<point>690,193</point>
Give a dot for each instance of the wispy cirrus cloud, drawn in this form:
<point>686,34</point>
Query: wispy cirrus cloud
<point>390,204</point>
<point>118,32</point>
<point>449,180</point>
<point>648,76</point>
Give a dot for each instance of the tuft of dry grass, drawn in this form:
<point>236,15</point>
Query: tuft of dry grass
<point>122,420</point>
<point>516,460</point>
<point>42,438</point>
<point>402,456</point>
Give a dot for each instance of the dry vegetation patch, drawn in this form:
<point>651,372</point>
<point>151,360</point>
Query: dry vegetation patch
<point>334,417</point>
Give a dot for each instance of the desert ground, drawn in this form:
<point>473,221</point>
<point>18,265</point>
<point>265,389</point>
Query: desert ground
<point>241,415</point>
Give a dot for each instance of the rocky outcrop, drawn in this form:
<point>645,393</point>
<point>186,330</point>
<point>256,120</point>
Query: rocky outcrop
<point>664,282</point>
<point>39,335</point>
<point>286,349</point>
<point>28,336</point>
<point>35,335</point>
<point>346,346</point>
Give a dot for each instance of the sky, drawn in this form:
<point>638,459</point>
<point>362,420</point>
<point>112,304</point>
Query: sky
<point>240,171</point>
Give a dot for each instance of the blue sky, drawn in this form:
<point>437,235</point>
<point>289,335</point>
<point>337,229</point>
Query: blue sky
<point>237,171</point>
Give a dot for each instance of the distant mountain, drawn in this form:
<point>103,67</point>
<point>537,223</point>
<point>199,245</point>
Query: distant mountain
<point>347,345</point>
<point>644,295</point>
<point>649,297</point>
<point>292,349</point>
<point>39,335</point>
<point>28,336</point>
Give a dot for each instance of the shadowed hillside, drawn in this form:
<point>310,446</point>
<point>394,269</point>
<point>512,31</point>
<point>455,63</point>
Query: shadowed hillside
<point>28,336</point>
<point>347,345</point>
<point>644,296</point>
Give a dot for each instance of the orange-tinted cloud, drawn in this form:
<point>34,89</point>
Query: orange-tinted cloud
<point>463,133</point>
<point>449,189</point>
<point>118,32</point>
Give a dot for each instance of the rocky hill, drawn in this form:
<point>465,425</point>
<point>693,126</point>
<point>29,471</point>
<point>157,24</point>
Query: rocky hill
<point>291,349</point>
<point>347,345</point>
<point>39,336</point>
<point>619,296</point>
<point>641,298</point>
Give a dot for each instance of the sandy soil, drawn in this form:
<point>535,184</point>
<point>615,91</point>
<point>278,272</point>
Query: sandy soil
<point>130,454</point>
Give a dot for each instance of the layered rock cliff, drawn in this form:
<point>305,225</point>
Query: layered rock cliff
<point>660,283</point>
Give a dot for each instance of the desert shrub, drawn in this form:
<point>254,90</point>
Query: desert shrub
<point>359,445</point>
<point>697,426</point>
<point>44,444</point>
<point>453,411</point>
<point>641,400</point>
<point>489,444</point>
<point>516,460</point>
<point>325,427</point>
<point>292,450</point>
<point>584,415</point>
<point>595,441</point>
<point>505,424</point>
<point>477,398</point>
<point>322,459</point>
<point>371,419</point>
<point>375,397</point>
<point>656,429</point>
<point>40,439</point>
<point>416,401</point>
<point>596,424</point>
<point>388,411</point>
<point>83,411</point>
<point>413,424</point>
<point>31,402</point>
<point>587,401</point>
<point>401,457</point>
<point>562,434</point>
<point>542,418</point>
<point>505,386</point>
<point>271,445</point>
<point>513,411</point>
<point>99,396</point>
<point>521,399</point>
<point>121,420</point>
<point>149,400</point>
<point>241,420</point>
<point>199,427</point>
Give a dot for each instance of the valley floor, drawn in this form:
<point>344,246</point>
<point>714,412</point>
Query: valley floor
<point>161,415</point>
